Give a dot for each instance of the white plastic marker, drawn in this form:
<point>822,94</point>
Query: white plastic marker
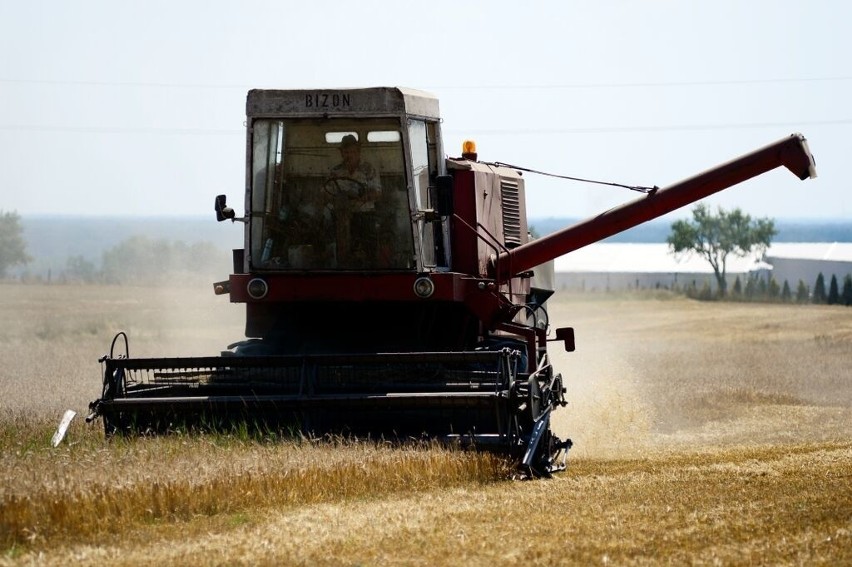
<point>63,427</point>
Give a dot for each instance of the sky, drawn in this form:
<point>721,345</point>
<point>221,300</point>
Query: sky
<point>138,108</point>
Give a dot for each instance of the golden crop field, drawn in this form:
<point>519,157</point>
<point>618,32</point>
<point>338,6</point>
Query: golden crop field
<point>704,433</point>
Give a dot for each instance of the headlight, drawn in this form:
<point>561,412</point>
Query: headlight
<point>257,288</point>
<point>424,287</point>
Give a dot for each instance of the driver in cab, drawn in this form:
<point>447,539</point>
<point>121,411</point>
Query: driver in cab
<point>354,189</point>
<point>354,178</point>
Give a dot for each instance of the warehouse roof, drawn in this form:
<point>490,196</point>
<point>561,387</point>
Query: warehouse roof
<point>656,258</point>
<point>830,251</point>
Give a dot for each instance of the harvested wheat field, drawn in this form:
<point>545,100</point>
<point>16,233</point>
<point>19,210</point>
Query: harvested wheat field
<point>704,433</point>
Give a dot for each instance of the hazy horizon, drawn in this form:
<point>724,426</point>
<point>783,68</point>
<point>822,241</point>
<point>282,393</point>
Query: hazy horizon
<point>211,216</point>
<point>139,108</point>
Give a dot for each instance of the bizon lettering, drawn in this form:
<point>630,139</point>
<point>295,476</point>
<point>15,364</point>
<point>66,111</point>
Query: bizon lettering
<point>327,100</point>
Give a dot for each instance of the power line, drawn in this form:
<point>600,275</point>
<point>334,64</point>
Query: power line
<point>467,132</point>
<point>121,84</point>
<point>122,130</point>
<point>511,86</point>
<point>672,128</point>
<point>642,84</point>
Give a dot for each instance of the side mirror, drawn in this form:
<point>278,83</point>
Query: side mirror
<point>566,335</point>
<point>444,194</point>
<point>223,211</point>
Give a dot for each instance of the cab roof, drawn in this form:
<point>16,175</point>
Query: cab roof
<point>342,102</point>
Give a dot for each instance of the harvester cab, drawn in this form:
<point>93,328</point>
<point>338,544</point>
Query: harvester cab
<point>389,290</point>
<point>357,240</point>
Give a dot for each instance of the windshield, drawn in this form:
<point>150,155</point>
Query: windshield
<point>329,194</point>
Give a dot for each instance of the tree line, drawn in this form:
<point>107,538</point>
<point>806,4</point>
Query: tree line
<point>759,289</point>
<point>716,236</point>
<point>136,260</point>
<point>139,260</point>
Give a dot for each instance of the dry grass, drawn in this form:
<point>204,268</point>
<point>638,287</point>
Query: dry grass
<point>764,505</point>
<point>704,434</point>
<point>128,484</point>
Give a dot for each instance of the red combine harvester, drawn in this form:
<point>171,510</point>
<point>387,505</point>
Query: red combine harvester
<point>389,291</point>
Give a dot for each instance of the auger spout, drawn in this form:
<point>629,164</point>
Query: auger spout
<point>791,152</point>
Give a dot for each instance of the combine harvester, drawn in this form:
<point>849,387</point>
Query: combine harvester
<point>389,291</point>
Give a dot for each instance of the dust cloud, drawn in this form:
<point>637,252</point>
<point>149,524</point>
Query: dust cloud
<point>606,415</point>
<point>192,321</point>
<point>55,334</point>
<point>653,375</point>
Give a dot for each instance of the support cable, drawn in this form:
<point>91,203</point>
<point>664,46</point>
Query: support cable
<point>639,188</point>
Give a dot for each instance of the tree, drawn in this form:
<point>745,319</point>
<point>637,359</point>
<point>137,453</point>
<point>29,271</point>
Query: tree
<point>802,292</point>
<point>750,287</point>
<point>819,289</point>
<point>833,291</point>
<point>140,260</point>
<point>716,236</point>
<point>13,248</point>
<point>738,286</point>
<point>773,289</point>
<point>77,268</point>
<point>847,290</point>
<point>786,293</point>
<point>762,288</point>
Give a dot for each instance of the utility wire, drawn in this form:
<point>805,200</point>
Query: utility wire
<point>513,86</point>
<point>122,130</point>
<point>500,132</point>
<point>58,82</point>
<point>639,188</point>
<point>616,129</point>
<point>642,85</point>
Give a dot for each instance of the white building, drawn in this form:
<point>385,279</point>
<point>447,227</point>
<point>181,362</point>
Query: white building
<point>618,266</point>
<point>804,261</point>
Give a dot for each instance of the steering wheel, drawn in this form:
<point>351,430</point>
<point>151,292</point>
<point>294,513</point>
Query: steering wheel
<point>333,187</point>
